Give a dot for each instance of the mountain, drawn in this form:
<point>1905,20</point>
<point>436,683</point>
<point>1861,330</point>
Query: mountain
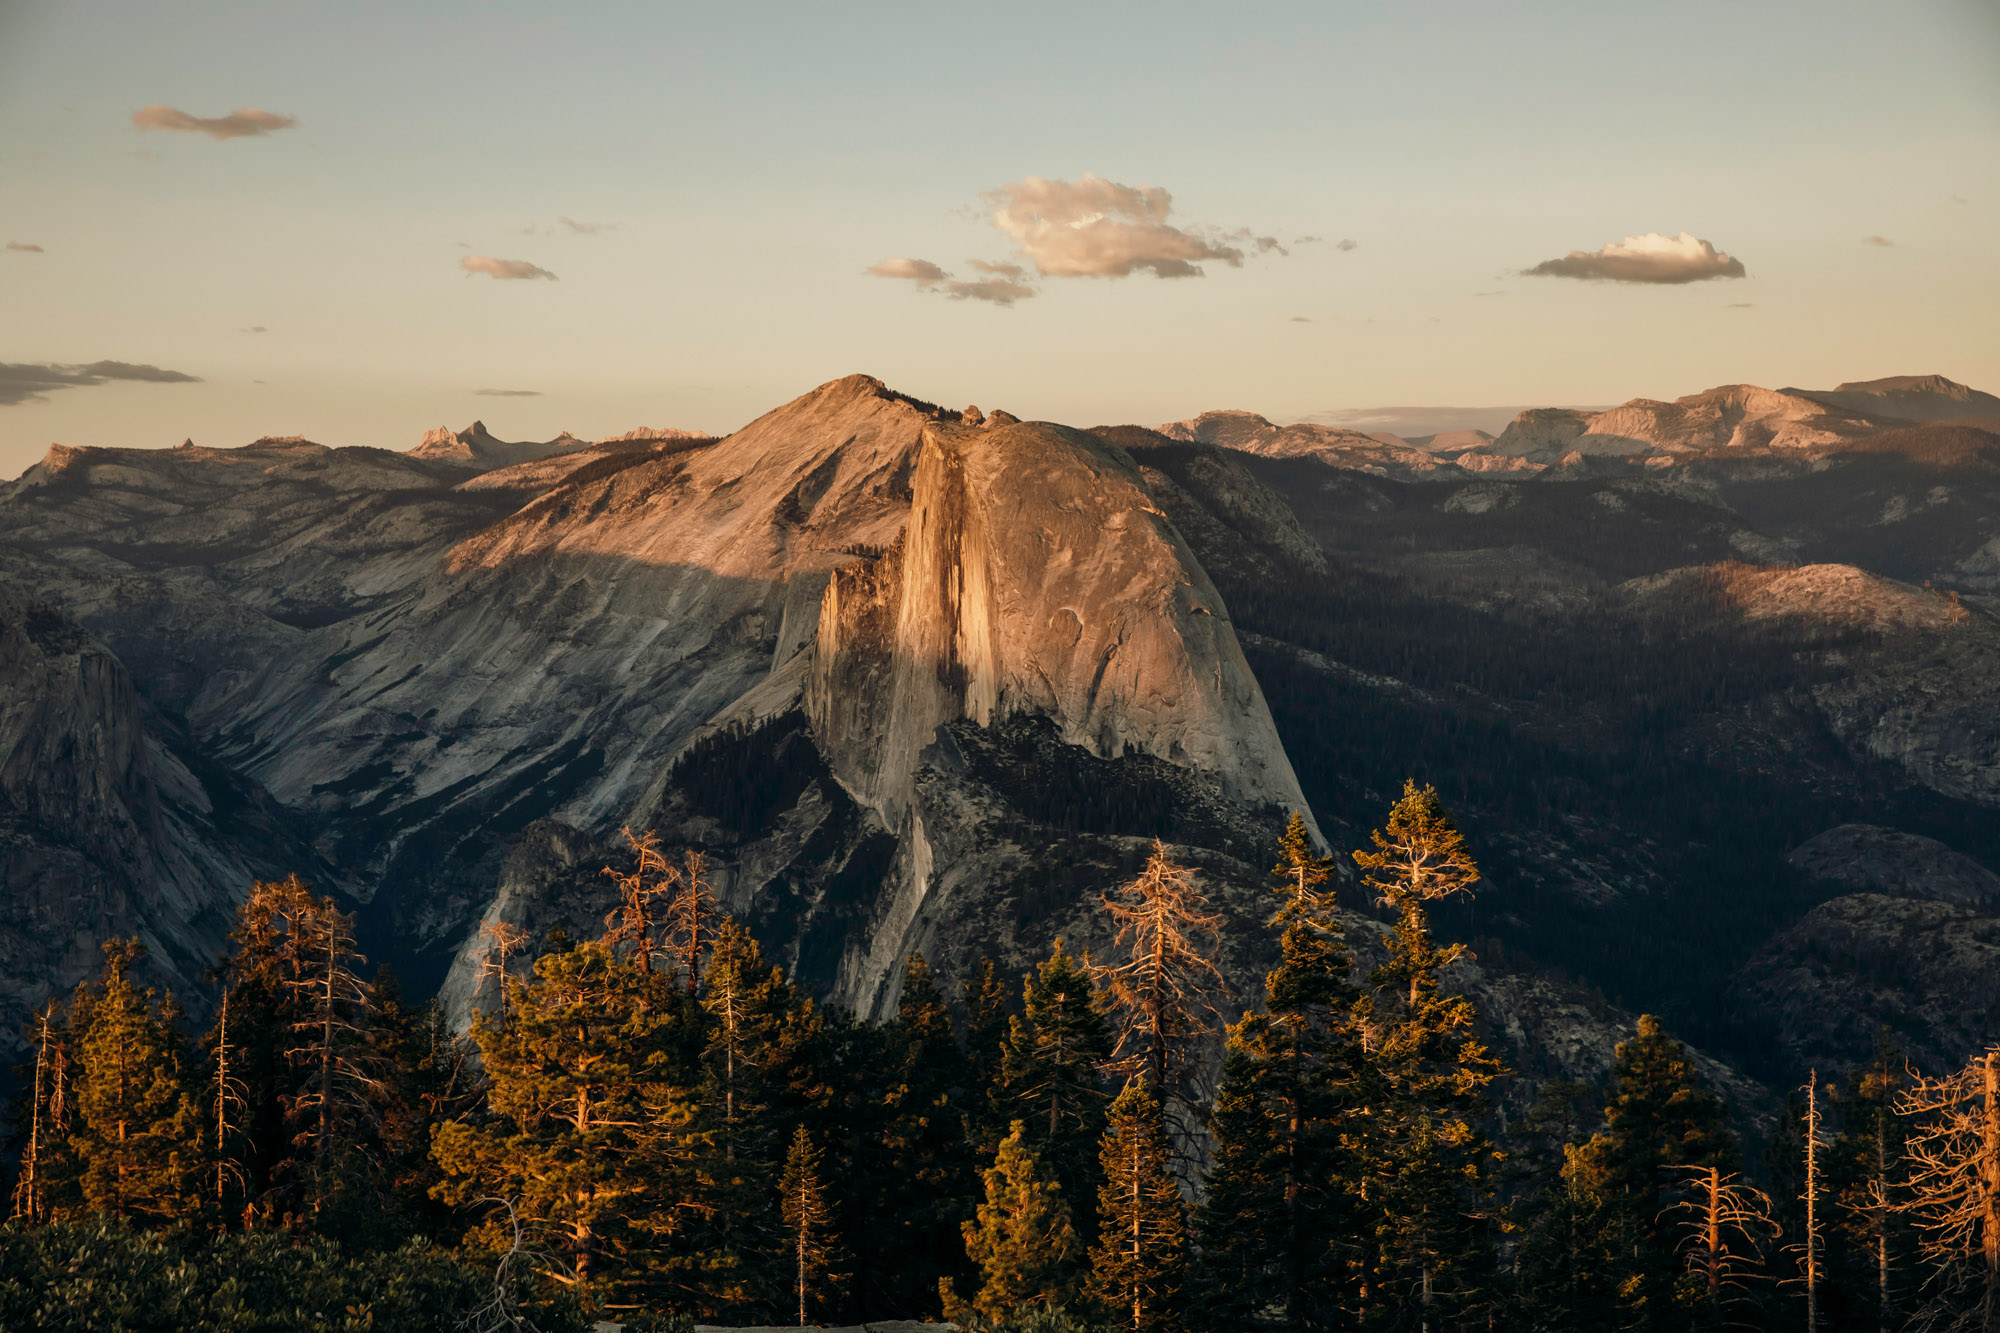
<point>922,679</point>
<point>1249,433</point>
<point>1911,398</point>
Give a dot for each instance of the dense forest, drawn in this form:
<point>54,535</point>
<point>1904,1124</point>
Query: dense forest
<point>657,1126</point>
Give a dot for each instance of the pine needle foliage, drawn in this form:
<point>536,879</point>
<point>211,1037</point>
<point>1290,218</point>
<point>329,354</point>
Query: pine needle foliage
<point>1022,1239</point>
<point>1139,1263</point>
<point>809,1225</point>
<point>1163,990</point>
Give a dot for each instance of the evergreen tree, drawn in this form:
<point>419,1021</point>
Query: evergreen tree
<point>1052,1067</point>
<point>1022,1239</point>
<point>43,1119</point>
<point>134,1123</point>
<point>986,1024</point>
<point>927,1166</point>
<point>593,1149</point>
<point>1566,1269</point>
<point>1140,1259</point>
<point>1872,1250</point>
<point>809,1227</point>
<point>1657,1116</point>
<point>1279,1190</point>
<point>1428,1166</point>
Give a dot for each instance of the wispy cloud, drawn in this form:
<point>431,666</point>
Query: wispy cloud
<point>504,269</point>
<point>1098,228</point>
<point>1003,285</point>
<point>1651,258</point>
<point>587,228</point>
<point>1877,240</point>
<point>1346,243</point>
<point>246,123</point>
<point>507,393</point>
<point>1741,305</point>
<point>25,247</point>
<point>256,328</point>
<point>1299,319</point>
<point>25,383</point>
<point>1307,240</point>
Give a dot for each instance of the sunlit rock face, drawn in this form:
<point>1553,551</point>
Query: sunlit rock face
<point>1037,576</point>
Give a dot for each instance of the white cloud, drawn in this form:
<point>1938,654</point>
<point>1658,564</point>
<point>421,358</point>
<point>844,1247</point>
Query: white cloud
<point>246,123</point>
<point>517,269</point>
<point>1651,258</point>
<point>1097,228</point>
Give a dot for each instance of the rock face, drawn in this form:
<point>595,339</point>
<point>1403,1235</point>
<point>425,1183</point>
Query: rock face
<point>1037,576</point>
<point>1909,398</point>
<point>1386,456</point>
<point>476,447</point>
<point>1868,859</point>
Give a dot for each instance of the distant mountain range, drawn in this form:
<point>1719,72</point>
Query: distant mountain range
<point>1712,685</point>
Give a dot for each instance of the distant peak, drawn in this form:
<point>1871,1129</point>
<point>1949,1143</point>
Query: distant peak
<point>1907,384</point>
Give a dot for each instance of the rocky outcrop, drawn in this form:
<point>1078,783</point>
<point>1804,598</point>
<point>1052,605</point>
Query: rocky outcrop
<point>1868,859</point>
<point>1037,576</point>
<point>1909,398</point>
<point>1383,456</point>
<point>476,447</point>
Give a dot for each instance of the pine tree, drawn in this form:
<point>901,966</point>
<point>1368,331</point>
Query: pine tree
<point>1658,1115</point>
<point>986,1025</point>
<point>337,1090</point>
<point>1022,1238</point>
<point>1427,1163</point>
<point>809,1227</point>
<point>134,1122</point>
<point>1140,1259</point>
<point>1277,1196</point>
<point>1052,1067</point>
<point>586,1142</point>
<point>1723,1225</point>
<point>629,927</point>
<point>1868,1179</point>
<point>691,918</point>
<point>927,1166</point>
<point>46,1156</point>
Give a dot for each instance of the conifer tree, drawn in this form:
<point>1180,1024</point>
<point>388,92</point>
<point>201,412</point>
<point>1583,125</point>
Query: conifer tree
<point>986,1024</point>
<point>133,1119</point>
<point>927,1166</point>
<point>1867,1177</point>
<point>1052,1067</point>
<point>1139,1262</point>
<point>585,1141</point>
<point>809,1227</point>
<point>1022,1238</point>
<point>691,918</point>
<point>45,1150</point>
<point>629,927</point>
<point>337,1090</point>
<point>1427,1163</point>
<point>1277,1203</point>
<point>1657,1115</point>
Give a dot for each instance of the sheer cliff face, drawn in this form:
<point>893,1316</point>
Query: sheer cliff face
<point>1036,576</point>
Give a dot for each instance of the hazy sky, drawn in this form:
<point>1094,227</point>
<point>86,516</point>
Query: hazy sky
<point>711,184</point>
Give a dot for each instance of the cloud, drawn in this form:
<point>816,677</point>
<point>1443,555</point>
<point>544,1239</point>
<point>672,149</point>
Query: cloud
<point>247,123</point>
<point>1740,305</point>
<point>1097,228</point>
<point>504,269</point>
<point>507,393</point>
<point>1877,240</point>
<point>256,328</point>
<point>920,271</point>
<point>25,247</point>
<point>1299,319</point>
<point>24,383</point>
<point>1489,293</point>
<point>1346,243</point>
<point>587,228</point>
<point>1651,258</point>
<point>1307,240</point>
<point>1004,285</point>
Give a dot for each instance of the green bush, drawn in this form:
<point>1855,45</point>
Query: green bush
<point>71,1278</point>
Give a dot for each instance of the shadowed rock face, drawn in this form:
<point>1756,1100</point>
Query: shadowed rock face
<point>1864,858</point>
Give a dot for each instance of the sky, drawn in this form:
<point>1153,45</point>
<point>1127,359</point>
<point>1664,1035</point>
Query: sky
<point>355,222</point>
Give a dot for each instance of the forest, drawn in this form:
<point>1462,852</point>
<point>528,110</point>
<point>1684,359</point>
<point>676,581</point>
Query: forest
<point>658,1126</point>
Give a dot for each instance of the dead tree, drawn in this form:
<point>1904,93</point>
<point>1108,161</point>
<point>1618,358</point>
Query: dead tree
<point>331,1000</point>
<point>230,1099</point>
<point>1162,991</point>
<point>48,1116</point>
<point>1728,1222</point>
<point>1954,1191</point>
<point>690,917</point>
<point>1809,1249</point>
<point>633,920</point>
<point>504,943</point>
